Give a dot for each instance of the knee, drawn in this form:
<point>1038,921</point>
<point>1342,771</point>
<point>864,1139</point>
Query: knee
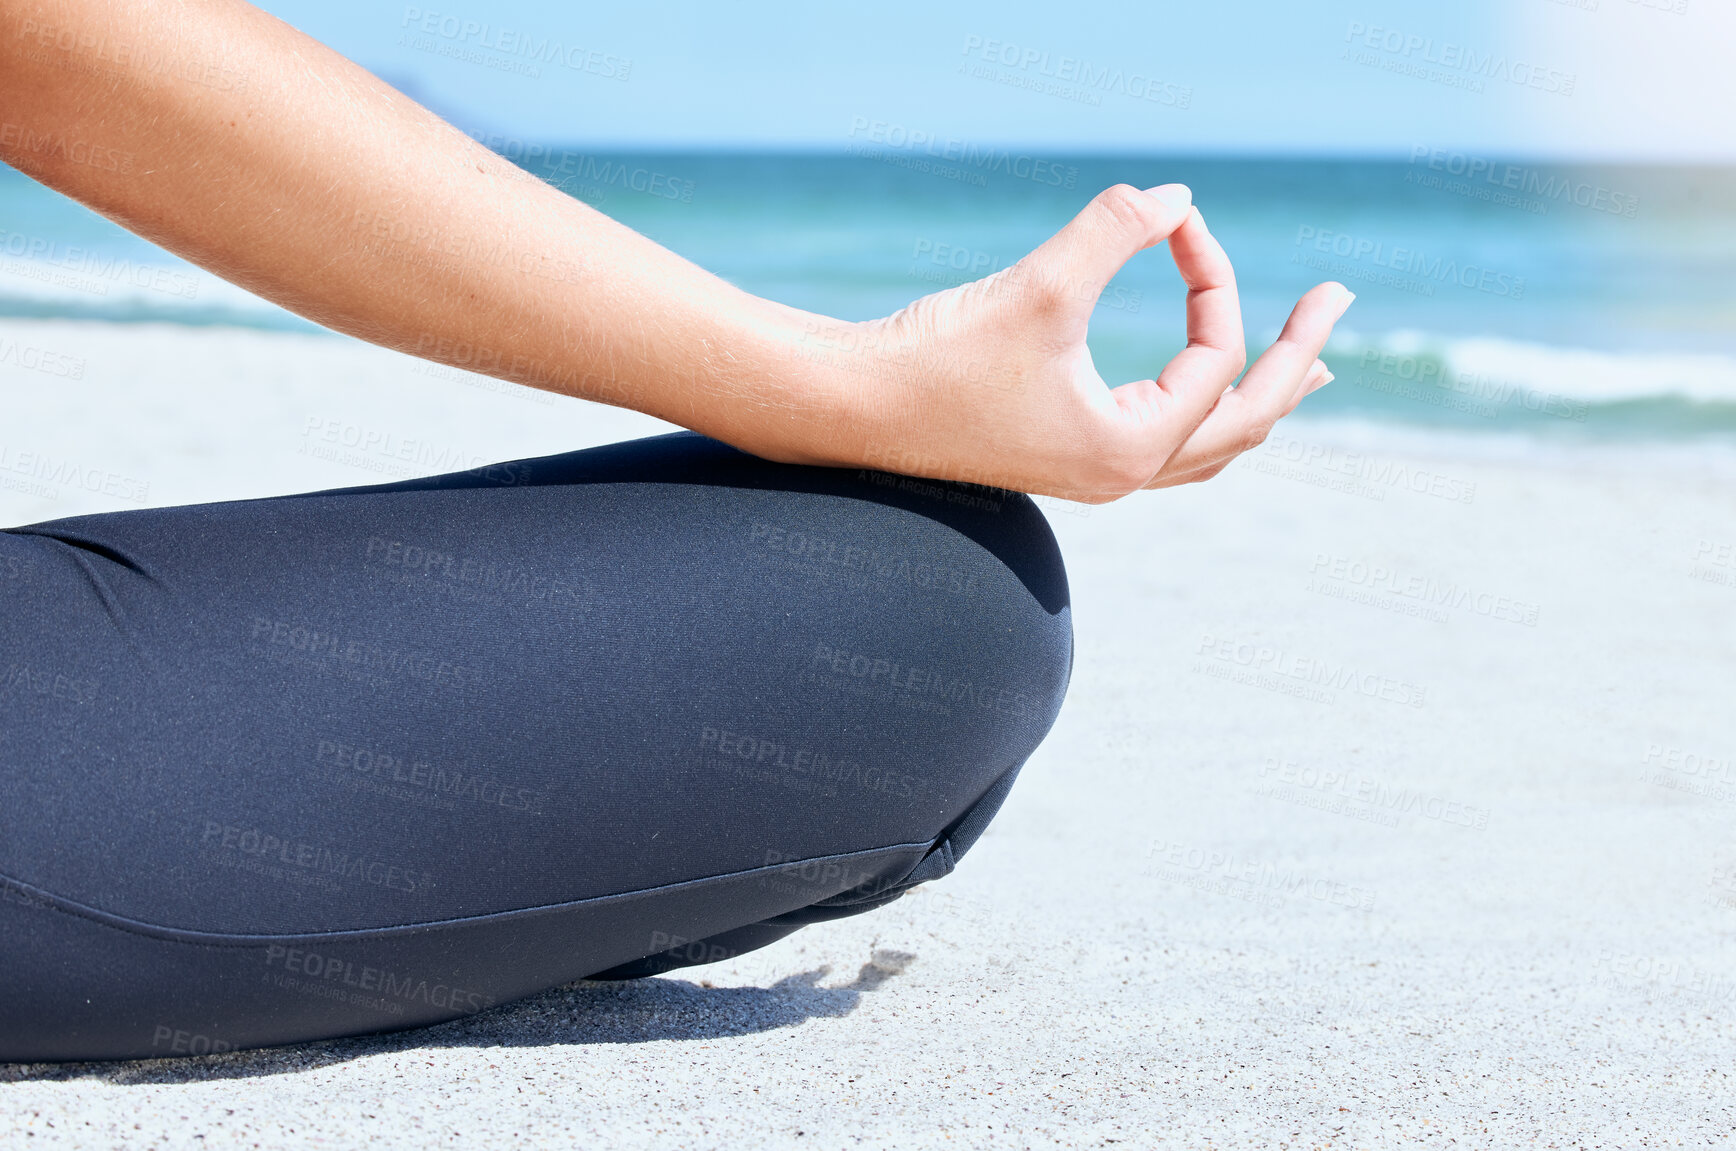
<point>1012,659</point>
<point>1008,657</point>
<point>1025,673</point>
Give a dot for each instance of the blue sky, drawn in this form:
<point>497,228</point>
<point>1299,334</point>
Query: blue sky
<point>1607,79</point>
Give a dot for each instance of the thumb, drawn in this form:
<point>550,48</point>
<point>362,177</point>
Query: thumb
<point>1084,256</point>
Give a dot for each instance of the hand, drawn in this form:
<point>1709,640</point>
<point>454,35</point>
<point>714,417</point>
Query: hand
<point>991,382</point>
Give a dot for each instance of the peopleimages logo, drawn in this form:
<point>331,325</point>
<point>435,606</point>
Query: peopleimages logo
<point>1226,873</point>
<point>761,751</point>
<point>916,684</point>
<point>353,444</point>
<point>1075,75</point>
<point>1344,791</point>
<point>84,50</point>
<point>891,566</point>
<point>375,980</point>
<point>70,474</point>
<point>45,360</point>
<point>961,152</point>
<point>1523,181</point>
<point>102,270</point>
<point>460,31</point>
<point>1399,260</point>
<point>563,166</point>
<point>385,768</point>
<point>1381,473</point>
<point>314,859</point>
<point>54,144</point>
<point>1424,378</point>
<point>1397,584</point>
<point>1294,673</point>
<point>1418,55</point>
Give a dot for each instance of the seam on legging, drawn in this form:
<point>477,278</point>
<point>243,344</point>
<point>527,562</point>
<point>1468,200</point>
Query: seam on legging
<point>237,939</point>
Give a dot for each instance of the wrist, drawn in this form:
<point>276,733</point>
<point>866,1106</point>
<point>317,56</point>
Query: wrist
<point>832,381</point>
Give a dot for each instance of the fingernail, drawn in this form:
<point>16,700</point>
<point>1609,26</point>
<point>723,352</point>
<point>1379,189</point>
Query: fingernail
<point>1327,378</point>
<point>1349,298</point>
<point>1178,197</point>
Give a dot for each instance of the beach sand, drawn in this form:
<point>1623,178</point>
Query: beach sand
<point>1391,805</point>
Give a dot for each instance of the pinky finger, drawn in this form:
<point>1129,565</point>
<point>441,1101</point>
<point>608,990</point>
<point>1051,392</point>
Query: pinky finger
<point>1318,377</point>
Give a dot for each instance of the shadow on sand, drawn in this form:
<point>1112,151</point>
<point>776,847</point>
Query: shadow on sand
<point>638,1011</point>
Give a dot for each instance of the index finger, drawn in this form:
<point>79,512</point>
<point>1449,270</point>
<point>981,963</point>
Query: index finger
<point>1214,312</point>
<point>1215,352</point>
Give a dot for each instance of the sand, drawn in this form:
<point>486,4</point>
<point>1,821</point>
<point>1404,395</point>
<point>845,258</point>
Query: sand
<point>1315,856</point>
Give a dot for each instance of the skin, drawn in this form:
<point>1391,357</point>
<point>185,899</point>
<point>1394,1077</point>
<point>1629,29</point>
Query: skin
<point>256,153</point>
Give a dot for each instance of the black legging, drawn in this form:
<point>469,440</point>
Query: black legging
<point>359,760</point>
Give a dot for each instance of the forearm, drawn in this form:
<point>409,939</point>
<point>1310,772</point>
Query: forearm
<point>259,154</point>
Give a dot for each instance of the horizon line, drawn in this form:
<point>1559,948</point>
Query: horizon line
<point>1393,156</point>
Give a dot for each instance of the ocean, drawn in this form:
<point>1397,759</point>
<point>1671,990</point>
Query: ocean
<point>1505,297</point>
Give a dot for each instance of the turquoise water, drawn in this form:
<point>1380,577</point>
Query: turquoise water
<point>1562,301</point>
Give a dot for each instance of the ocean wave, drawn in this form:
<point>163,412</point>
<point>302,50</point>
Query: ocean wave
<point>1381,439</point>
<point>1490,368</point>
<point>1601,377</point>
<point>84,284</point>
<point>1496,384</point>
<point>1404,375</point>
